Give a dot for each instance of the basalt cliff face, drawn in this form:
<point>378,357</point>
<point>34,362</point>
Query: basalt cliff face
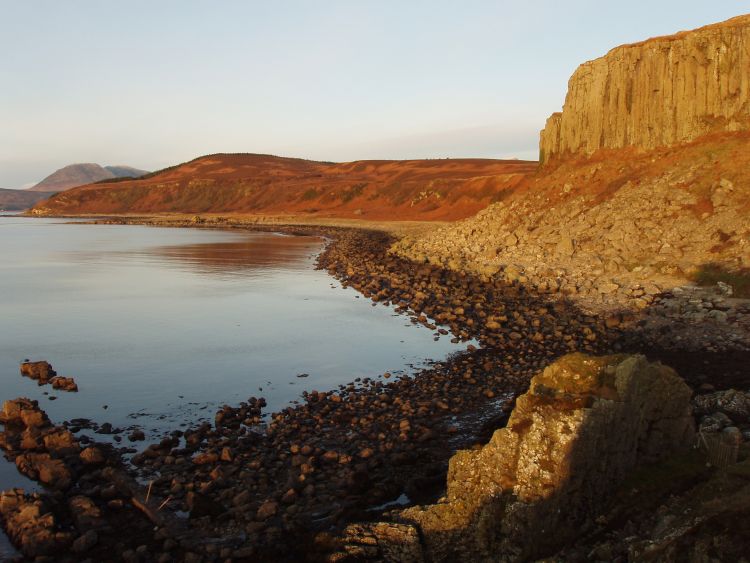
<point>645,185</point>
<point>660,92</point>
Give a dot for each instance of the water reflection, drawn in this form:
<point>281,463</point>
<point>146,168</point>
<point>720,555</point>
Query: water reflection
<point>171,323</point>
<point>260,252</point>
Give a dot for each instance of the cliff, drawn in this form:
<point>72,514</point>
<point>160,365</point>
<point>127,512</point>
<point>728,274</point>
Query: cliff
<point>660,92</point>
<point>650,185</point>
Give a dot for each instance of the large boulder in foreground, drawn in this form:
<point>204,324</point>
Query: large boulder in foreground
<point>584,424</point>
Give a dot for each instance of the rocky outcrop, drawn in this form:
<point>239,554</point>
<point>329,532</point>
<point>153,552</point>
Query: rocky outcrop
<point>41,451</point>
<point>40,371</point>
<point>32,524</point>
<point>614,233</point>
<point>660,92</point>
<point>43,373</point>
<point>666,202</point>
<point>584,424</point>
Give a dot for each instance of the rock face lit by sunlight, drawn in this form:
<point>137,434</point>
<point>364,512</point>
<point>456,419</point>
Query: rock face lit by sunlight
<point>342,320</point>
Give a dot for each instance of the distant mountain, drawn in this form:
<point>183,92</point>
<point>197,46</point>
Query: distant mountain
<point>126,171</point>
<point>75,175</point>
<point>18,200</point>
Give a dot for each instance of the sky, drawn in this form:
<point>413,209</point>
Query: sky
<point>154,83</point>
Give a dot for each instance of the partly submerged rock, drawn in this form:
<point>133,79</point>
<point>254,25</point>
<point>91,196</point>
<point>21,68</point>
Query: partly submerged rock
<point>23,412</point>
<point>64,383</point>
<point>31,524</point>
<point>41,371</point>
<point>44,468</point>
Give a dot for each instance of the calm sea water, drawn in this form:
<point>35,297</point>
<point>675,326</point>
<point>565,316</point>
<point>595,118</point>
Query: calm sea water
<point>161,326</point>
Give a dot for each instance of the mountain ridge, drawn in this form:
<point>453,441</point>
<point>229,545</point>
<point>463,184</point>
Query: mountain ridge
<point>78,174</point>
<point>18,200</point>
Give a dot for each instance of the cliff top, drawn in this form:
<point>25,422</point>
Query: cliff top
<point>737,21</point>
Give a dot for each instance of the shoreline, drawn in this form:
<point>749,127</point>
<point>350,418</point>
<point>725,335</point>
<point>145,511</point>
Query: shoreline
<point>327,462</point>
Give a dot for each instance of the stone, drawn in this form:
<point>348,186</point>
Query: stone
<point>40,371</point>
<point>61,442</point>
<point>92,456</point>
<point>86,514</point>
<point>206,458</point>
<point>137,435</point>
<point>565,246</point>
<point>31,525</point>
<point>25,412</point>
<point>267,510</point>
<point>608,287</point>
<point>45,469</point>
<point>382,541</point>
<point>584,424</point>
<point>85,542</point>
<point>64,383</point>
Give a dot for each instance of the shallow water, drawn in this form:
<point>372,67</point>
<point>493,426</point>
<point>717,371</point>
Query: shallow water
<point>163,325</point>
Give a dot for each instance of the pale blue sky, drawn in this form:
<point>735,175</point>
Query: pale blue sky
<point>154,83</point>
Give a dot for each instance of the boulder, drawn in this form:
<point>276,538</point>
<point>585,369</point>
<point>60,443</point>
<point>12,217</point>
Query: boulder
<point>45,469</point>
<point>92,456</point>
<point>64,383</point>
<point>86,515</point>
<point>24,412</point>
<point>31,525</point>
<point>41,371</point>
<point>60,442</point>
<point>584,424</point>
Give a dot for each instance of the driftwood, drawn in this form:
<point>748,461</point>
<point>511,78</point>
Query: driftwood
<point>154,509</point>
<point>147,504</point>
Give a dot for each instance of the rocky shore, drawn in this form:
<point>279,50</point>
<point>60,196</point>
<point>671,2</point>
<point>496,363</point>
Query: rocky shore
<point>245,488</point>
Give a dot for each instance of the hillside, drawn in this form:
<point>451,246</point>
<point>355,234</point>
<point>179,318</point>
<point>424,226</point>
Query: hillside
<point>261,184</point>
<point>625,200</point>
<point>79,174</point>
<point>17,200</point>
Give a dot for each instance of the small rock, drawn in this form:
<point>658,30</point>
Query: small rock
<point>85,542</point>
<point>267,510</point>
<point>137,435</point>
